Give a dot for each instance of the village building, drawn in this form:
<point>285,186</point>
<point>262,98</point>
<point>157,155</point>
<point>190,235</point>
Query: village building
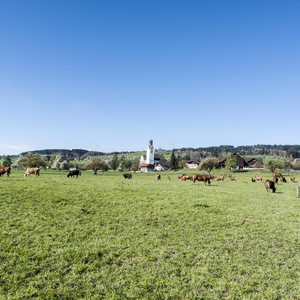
<point>247,162</point>
<point>153,162</point>
<point>192,164</point>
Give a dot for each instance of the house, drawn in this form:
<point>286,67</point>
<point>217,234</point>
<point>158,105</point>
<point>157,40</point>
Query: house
<point>254,162</point>
<point>247,162</point>
<point>192,164</point>
<point>240,162</point>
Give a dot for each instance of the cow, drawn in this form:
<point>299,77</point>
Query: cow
<point>284,180</point>
<point>278,175</point>
<point>275,179</point>
<point>270,185</point>
<point>168,178</point>
<point>233,179</point>
<point>29,171</point>
<point>252,180</point>
<point>74,173</point>
<point>186,177</point>
<point>258,179</point>
<point>127,176</point>
<point>204,178</point>
<point>157,176</point>
<point>293,178</point>
<point>5,170</point>
<point>220,178</point>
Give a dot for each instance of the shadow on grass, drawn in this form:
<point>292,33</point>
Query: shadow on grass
<point>201,205</point>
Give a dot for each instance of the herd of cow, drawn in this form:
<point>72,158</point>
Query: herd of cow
<point>269,184</point>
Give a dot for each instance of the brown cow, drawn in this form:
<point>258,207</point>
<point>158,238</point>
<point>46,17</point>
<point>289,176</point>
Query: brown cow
<point>5,170</point>
<point>270,185</point>
<point>258,179</point>
<point>275,179</point>
<point>293,178</point>
<point>278,175</point>
<point>157,176</point>
<point>205,178</point>
<point>168,178</point>
<point>233,179</point>
<point>186,177</point>
<point>220,178</point>
<point>29,171</point>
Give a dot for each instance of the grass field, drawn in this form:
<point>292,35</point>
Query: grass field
<point>104,237</point>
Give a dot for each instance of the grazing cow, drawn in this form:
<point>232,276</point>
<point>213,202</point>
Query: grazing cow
<point>293,178</point>
<point>205,178</point>
<point>168,178</point>
<point>186,177</point>
<point>270,185</point>
<point>220,178</point>
<point>5,170</point>
<point>127,176</point>
<point>258,178</point>
<point>157,176</point>
<point>233,179</point>
<point>74,173</point>
<point>278,175</point>
<point>29,171</point>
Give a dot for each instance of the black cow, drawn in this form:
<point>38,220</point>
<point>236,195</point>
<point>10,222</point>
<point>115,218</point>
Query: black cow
<point>74,173</point>
<point>127,176</point>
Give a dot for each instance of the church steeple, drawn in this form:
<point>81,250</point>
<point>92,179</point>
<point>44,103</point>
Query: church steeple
<point>150,153</point>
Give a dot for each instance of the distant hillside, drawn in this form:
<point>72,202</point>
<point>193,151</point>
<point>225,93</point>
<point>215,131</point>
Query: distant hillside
<point>290,151</point>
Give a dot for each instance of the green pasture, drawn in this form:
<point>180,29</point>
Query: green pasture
<point>104,237</point>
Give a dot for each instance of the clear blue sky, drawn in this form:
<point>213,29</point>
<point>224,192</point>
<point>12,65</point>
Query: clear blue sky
<point>109,75</point>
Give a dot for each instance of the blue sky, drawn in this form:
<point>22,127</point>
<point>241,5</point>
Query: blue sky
<point>110,75</point>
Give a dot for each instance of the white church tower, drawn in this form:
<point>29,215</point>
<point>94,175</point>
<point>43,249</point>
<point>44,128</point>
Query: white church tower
<point>150,153</point>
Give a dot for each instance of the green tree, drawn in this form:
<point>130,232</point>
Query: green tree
<point>272,164</point>
<point>230,162</point>
<point>135,164</point>
<point>6,161</point>
<point>31,160</point>
<point>173,161</point>
<point>208,164</point>
<point>114,163</point>
<point>125,164</point>
<point>286,164</point>
<point>96,164</point>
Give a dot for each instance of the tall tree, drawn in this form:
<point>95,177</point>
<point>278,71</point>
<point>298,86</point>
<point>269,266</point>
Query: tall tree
<point>272,164</point>
<point>114,163</point>
<point>6,161</point>
<point>230,162</point>
<point>208,164</point>
<point>135,164</point>
<point>173,161</point>
<point>97,164</point>
<point>31,160</point>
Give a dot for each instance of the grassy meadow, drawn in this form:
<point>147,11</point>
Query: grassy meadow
<point>104,237</point>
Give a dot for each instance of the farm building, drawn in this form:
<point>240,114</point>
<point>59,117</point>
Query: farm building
<point>192,164</point>
<point>247,162</point>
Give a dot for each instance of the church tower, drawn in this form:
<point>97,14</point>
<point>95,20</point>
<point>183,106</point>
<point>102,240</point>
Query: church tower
<point>150,153</point>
